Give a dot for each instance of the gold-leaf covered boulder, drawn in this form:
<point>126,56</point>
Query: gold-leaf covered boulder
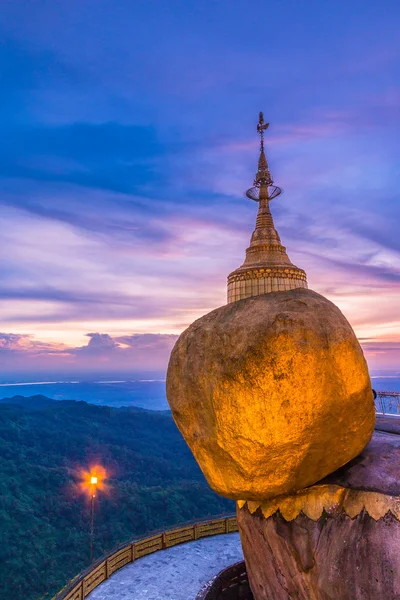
<point>271,393</point>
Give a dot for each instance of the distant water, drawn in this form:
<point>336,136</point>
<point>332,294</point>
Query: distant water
<point>386,383</point>
<point>143,393</point>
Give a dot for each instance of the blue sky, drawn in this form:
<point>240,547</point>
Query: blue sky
<point>128,138</point>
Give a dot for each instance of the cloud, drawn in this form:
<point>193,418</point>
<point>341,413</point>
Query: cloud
<point>109,156</point>
<point>99,342</point>
<point>130,354</point>
<point>125,154</point>
<point>10,341</point>
<point>102,354</point>
<point>378,346</point>
<point>20,343</point>
<point>382,356</point>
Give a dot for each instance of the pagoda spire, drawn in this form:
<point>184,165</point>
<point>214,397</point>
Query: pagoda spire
<point>263,175</point>
<point>267,267</point>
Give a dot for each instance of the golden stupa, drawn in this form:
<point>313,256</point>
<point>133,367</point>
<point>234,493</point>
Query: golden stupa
<point>267,267</point>
<point>271,391</point>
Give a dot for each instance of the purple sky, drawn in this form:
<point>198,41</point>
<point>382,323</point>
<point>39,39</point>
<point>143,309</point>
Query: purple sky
<point>128,138</point>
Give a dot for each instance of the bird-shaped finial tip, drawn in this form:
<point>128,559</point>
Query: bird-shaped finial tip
<point>261,127</point>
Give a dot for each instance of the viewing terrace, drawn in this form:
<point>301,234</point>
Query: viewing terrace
<point>201,561</point>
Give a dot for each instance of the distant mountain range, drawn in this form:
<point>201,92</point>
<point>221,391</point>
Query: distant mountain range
<point>31,403</point>
<point>142,392</point>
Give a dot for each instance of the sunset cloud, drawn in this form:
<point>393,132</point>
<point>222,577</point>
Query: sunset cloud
<point>103,353</point>
<point>123,166</point>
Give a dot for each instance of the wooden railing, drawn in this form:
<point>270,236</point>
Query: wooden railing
<point>81,586</point>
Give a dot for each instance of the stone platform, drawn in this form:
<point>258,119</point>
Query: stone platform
<point>177,573</point>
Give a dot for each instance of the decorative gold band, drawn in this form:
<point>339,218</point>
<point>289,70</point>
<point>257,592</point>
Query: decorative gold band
<point>332,499</point>
<point>263,273</point>
<point>266,248</point>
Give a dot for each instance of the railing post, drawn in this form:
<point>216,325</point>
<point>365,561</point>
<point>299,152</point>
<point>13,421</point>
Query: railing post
<point>83,589</point>
<point>133,552</point>
<point>164,541</point>
<point>107,571</point>
<point>195,531</point>
<point>226,525</point>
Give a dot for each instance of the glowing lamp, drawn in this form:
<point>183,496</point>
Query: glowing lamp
<point>90,482</point>
<point>93,480</point>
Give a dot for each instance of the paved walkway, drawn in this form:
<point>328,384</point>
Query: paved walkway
<point>177,573</point>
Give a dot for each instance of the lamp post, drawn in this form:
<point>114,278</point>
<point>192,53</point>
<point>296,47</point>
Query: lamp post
<point>92,482</point>
<point>93,487</point>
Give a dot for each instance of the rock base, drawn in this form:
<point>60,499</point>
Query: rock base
<point>332,558</point>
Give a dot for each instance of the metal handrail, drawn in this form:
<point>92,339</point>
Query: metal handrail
<point>385,402</point>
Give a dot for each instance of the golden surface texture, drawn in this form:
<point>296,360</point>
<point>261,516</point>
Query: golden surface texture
<point>332,499</point>
<point>271,393</point>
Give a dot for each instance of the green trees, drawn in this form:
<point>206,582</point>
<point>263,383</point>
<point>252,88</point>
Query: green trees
<point>44,521</point>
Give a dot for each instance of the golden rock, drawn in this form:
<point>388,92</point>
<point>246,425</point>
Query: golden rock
<point>271,393</point>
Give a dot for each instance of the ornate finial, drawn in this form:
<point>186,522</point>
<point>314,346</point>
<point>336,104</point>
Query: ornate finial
<point>261,127</point>
<point>267,267</point>
<point>263,183</point>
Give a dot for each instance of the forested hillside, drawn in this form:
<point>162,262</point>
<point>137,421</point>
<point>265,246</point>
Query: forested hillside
<point>44,521</point>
